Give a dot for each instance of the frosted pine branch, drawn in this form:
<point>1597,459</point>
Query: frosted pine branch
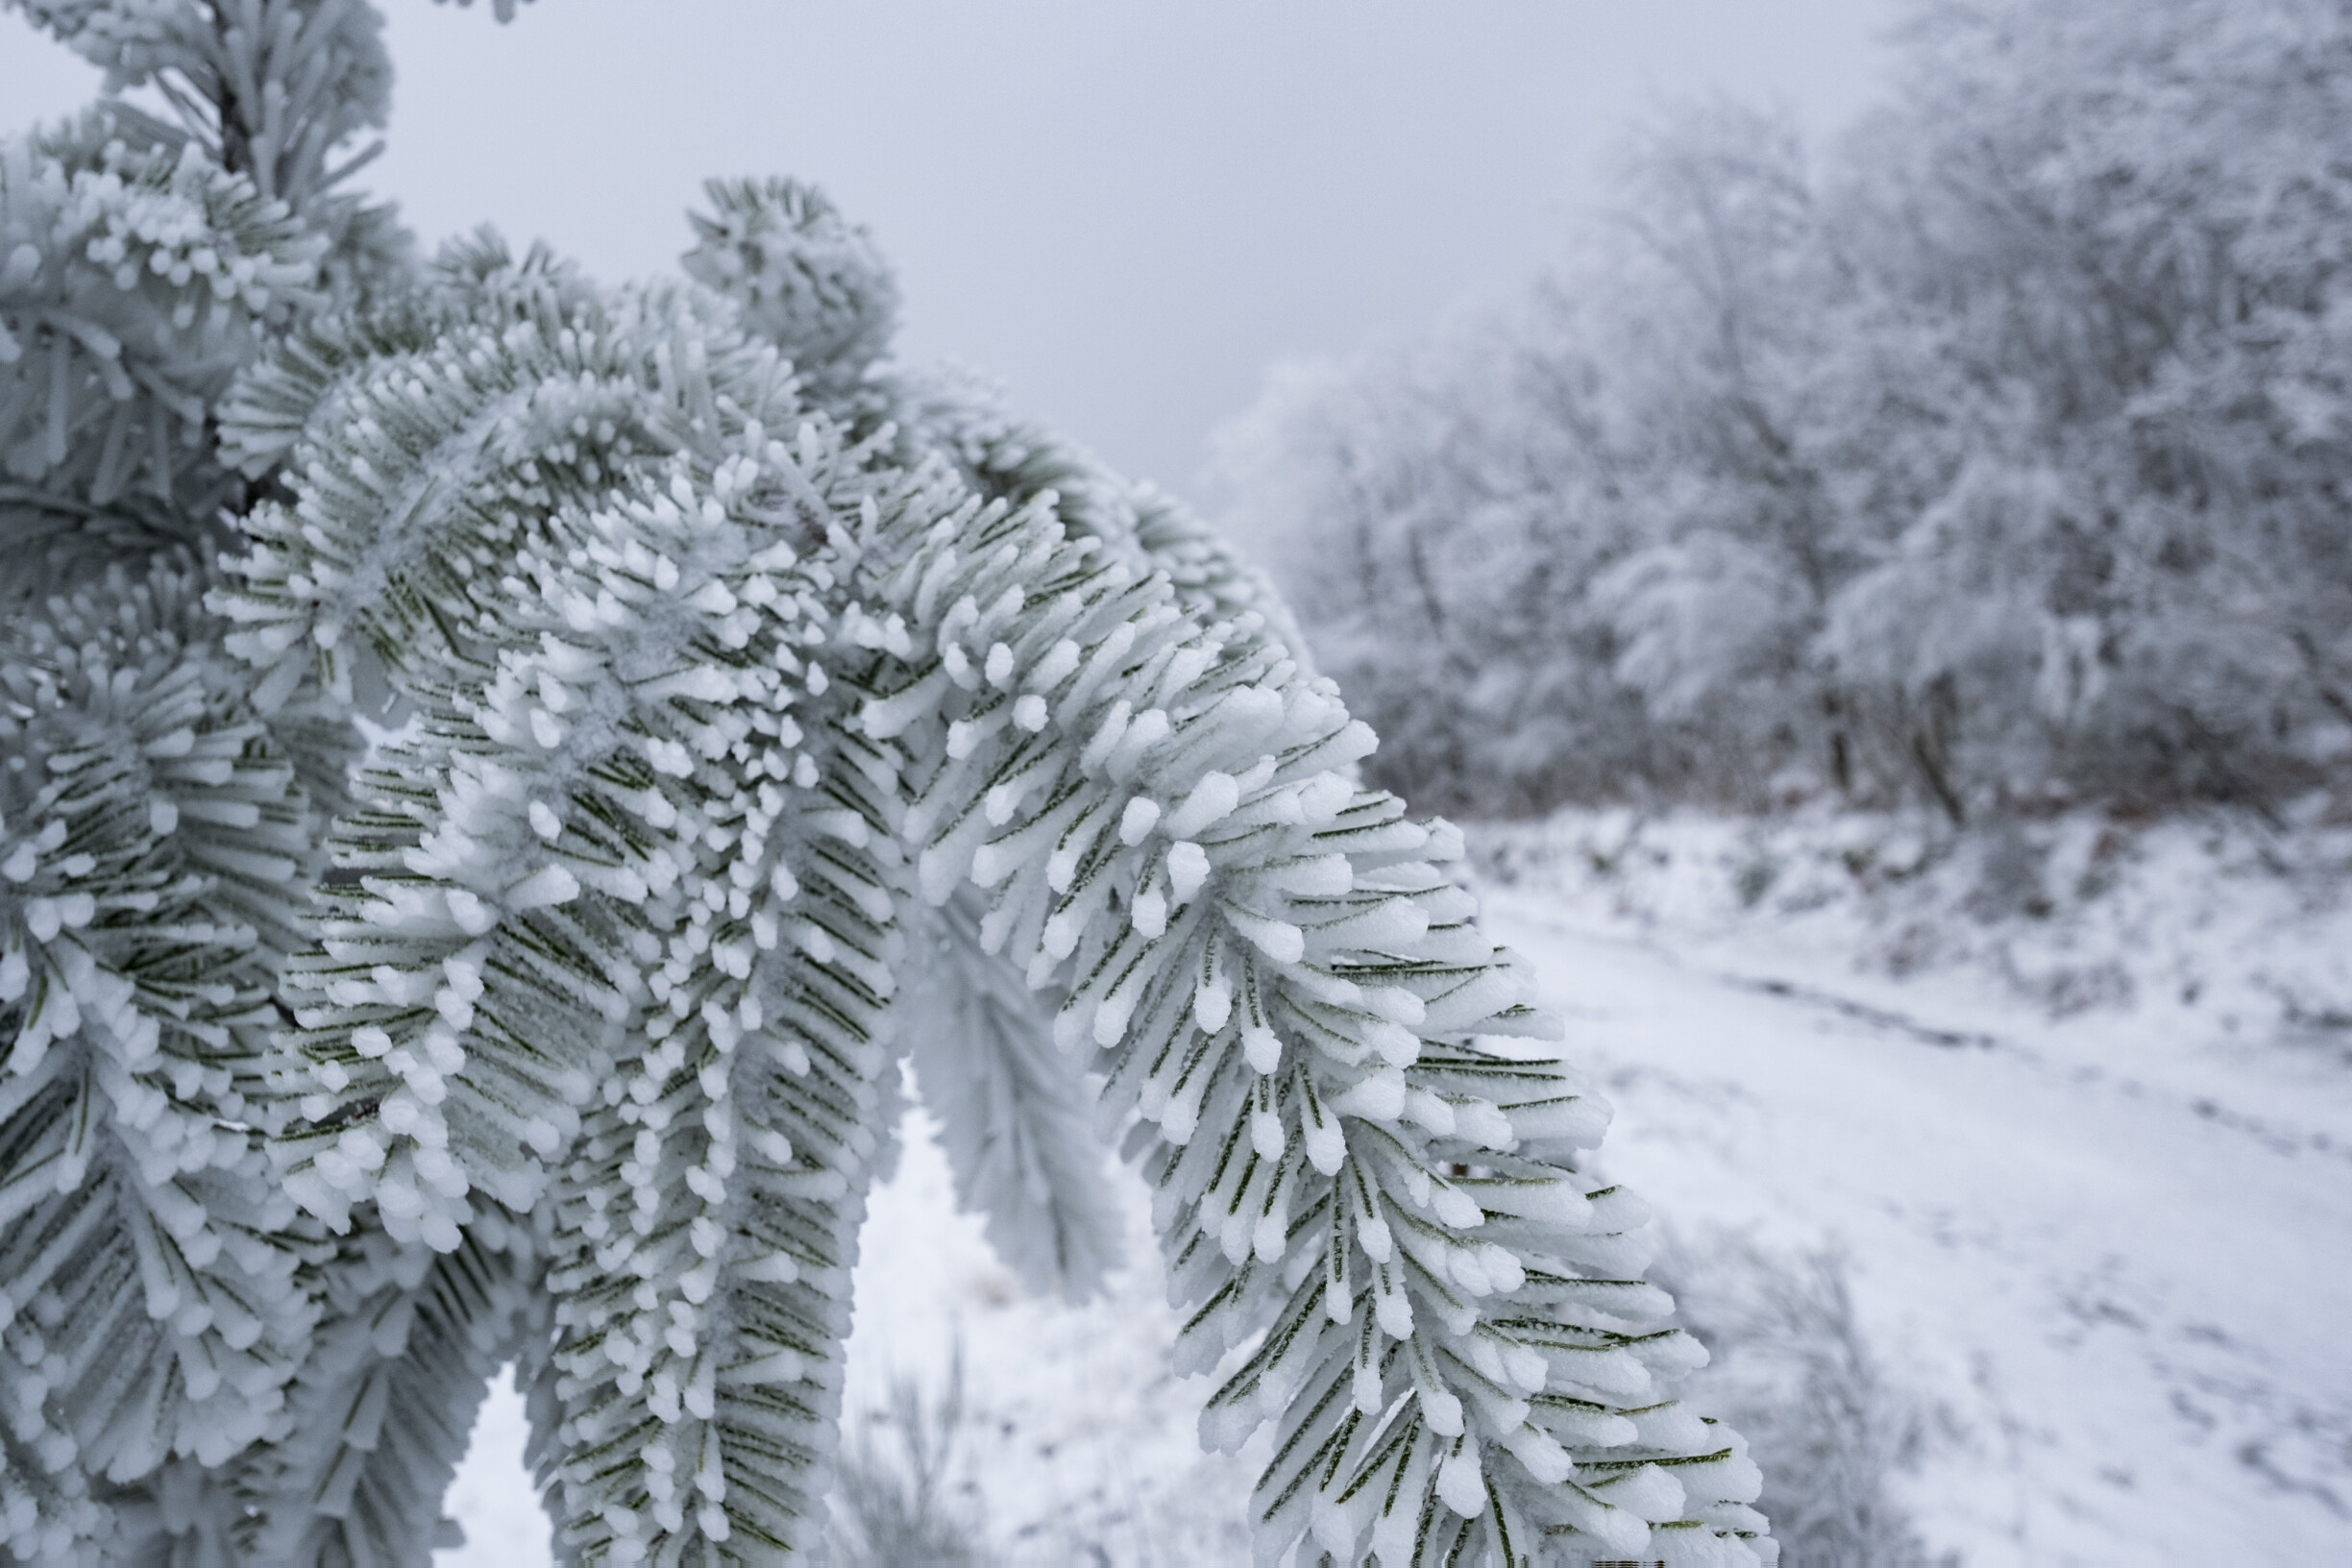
<point>751,717</point>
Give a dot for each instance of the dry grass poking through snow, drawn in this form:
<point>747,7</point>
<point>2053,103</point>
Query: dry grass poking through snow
<point>1792,1370</point>
<point>893,1503</point>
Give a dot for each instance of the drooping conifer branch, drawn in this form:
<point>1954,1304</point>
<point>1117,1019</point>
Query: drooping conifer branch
<point>748,717</point>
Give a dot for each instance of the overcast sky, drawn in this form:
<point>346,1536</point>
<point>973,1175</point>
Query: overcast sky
<point>1124,208</point>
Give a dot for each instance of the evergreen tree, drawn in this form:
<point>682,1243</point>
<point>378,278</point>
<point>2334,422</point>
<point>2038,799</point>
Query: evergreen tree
<point>500,770</point>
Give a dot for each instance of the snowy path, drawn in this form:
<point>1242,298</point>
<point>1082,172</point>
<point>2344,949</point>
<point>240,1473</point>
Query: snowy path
<point>2134,1299</point>
<point>2126,1277</point>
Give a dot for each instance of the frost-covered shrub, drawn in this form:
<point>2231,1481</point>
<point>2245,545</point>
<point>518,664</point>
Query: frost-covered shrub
<point>747,714</point>
<point>1834,1429</point>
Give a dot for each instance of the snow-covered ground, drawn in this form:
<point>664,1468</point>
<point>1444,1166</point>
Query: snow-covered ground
<point>2074,1100</point>
<point>2088,1150</point>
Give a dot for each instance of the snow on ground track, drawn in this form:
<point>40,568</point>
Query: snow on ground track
<point>2135,1309</point>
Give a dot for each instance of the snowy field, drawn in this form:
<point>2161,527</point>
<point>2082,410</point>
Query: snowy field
<point>2088,1153</point>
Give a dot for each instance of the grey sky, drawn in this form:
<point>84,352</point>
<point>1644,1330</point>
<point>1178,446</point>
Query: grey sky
<point>1123,209</point>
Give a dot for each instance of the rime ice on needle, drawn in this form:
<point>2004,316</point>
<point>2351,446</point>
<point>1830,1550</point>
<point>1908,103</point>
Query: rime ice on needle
<point>765,715</point>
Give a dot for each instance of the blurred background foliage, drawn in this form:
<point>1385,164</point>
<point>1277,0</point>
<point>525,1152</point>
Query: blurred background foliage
<point>1994,459</point>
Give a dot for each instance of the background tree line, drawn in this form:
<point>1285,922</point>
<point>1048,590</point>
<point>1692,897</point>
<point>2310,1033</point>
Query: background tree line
<point>1996,459</point>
